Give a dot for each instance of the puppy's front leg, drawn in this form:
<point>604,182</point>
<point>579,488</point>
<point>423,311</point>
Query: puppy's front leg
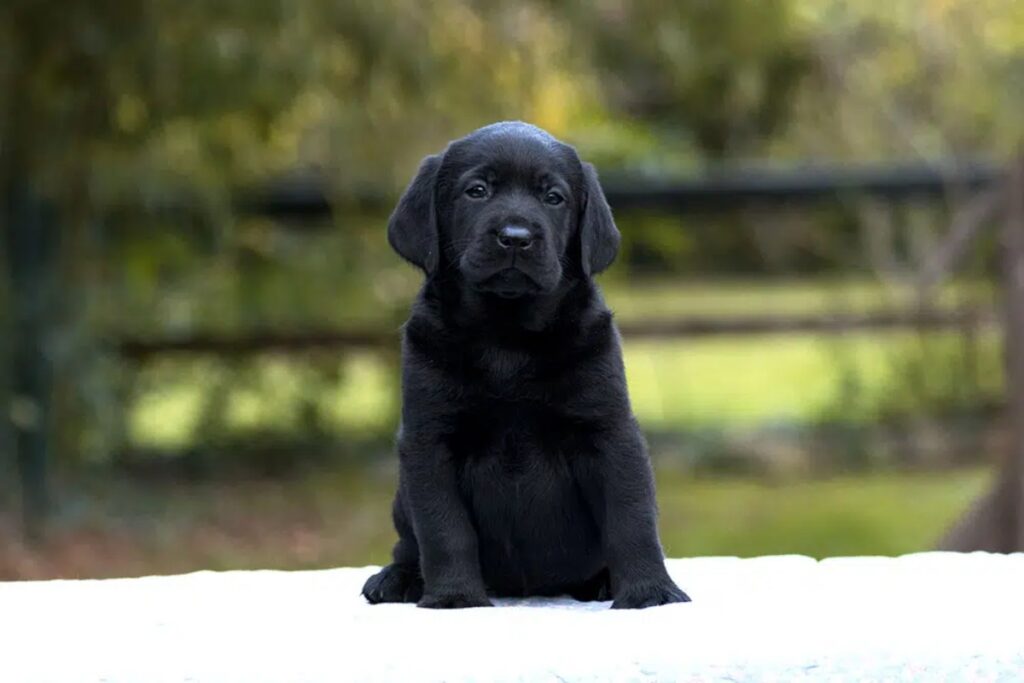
<point>449,558</point>
<point>626,508</point>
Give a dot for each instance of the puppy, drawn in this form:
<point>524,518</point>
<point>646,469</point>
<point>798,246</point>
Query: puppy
<point>522,469</point>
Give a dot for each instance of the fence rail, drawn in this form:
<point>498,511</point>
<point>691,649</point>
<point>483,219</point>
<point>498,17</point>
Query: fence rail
<point>690,326</point>
<point>304,197</point>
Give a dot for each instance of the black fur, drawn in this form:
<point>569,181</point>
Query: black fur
<point>522,468</point>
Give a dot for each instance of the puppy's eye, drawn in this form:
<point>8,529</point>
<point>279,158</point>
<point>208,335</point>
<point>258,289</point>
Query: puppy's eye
<point>476,191</point>
<point>553,198</point>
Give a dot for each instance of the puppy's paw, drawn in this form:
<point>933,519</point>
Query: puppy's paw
<point>454,601</point>
<point>394,583</point>
<point>643,595</point>
<point>596,589</point>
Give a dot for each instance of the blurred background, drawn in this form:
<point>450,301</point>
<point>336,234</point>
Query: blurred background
<point>199,311</point>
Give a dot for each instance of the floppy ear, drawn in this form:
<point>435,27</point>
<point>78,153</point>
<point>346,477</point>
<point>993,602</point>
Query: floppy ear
<point>412,228</point>
<point>599,238</point>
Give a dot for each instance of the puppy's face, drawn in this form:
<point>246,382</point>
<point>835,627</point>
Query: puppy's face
<point>511,208</point>
<point>508,206</point>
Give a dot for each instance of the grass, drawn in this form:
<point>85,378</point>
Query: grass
<point>343,518</point>
<point>873,514</point>
<point>169,404</point>
<point>787,378</point>
<point>667,298</point>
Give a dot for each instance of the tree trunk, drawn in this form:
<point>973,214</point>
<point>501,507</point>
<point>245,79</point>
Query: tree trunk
<point>995,522</point>
<point>30,246</point>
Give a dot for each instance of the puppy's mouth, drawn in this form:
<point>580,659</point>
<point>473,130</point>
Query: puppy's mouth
<point>509,283</point>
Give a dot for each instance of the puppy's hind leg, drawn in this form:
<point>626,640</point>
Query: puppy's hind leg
<point>400,581</point>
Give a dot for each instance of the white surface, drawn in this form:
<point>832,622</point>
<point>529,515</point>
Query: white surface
<point>935,616</point>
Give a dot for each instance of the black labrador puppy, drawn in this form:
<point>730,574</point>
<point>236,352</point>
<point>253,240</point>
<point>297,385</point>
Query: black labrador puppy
<point>522,469</point>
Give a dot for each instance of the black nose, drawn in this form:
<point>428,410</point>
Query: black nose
<point>515,237</point>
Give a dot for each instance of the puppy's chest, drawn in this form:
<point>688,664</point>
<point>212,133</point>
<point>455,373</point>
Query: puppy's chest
<point>513,436</point>
<point>513,409</point>
<point>502,369</point>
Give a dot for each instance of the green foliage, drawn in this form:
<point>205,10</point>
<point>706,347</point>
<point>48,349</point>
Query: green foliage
<point>907,80</point>
<point>114,110</point>
<point>720,74</point>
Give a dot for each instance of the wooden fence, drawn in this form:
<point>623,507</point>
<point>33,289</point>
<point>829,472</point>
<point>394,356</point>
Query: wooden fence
<point>303,200</point>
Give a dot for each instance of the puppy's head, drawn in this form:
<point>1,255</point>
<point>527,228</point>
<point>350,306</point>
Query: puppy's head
<point>511,208</point>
